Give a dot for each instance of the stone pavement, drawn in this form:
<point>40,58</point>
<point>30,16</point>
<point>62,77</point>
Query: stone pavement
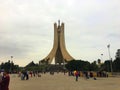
<point>64,82</point>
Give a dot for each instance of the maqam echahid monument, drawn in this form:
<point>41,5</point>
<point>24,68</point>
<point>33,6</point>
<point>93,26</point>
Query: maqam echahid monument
<point>58,53</point>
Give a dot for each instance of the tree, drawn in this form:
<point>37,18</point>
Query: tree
<point>31,64</point>
<point>94,66</point>
<point>106,66</point>
<point>116,65</point>
<point>10,67</point>
<point>78,65</point>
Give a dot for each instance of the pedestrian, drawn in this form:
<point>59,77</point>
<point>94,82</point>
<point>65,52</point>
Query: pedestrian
<point>22,76</point>
<point>31,73</point>
<point>27,75</point>
<point>0,80</point>
<point>5,81</point>
<point>76,75</point>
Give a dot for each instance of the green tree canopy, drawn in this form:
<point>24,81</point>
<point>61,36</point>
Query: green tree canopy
<point>78,65</point>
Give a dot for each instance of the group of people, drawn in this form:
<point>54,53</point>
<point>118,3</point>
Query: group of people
<point>26,74</point>
<point>4,80</point>
<point>85,74</point>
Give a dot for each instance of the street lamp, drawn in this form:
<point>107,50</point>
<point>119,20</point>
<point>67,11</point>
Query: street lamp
<point>108,46</point>
<point>102,57</point>
<point>11,58</point>
<point>11,64</point>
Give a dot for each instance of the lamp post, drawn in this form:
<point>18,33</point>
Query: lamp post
<point>108,46</point>
<point>11,64</point>
<point>102,57</point>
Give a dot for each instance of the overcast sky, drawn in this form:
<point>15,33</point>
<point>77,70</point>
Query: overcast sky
<point>27,32</point>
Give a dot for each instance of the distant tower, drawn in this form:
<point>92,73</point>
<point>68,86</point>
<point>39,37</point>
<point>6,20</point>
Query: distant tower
<point>58,52</point>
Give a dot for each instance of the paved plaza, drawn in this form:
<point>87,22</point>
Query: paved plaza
<point>63,82</point>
